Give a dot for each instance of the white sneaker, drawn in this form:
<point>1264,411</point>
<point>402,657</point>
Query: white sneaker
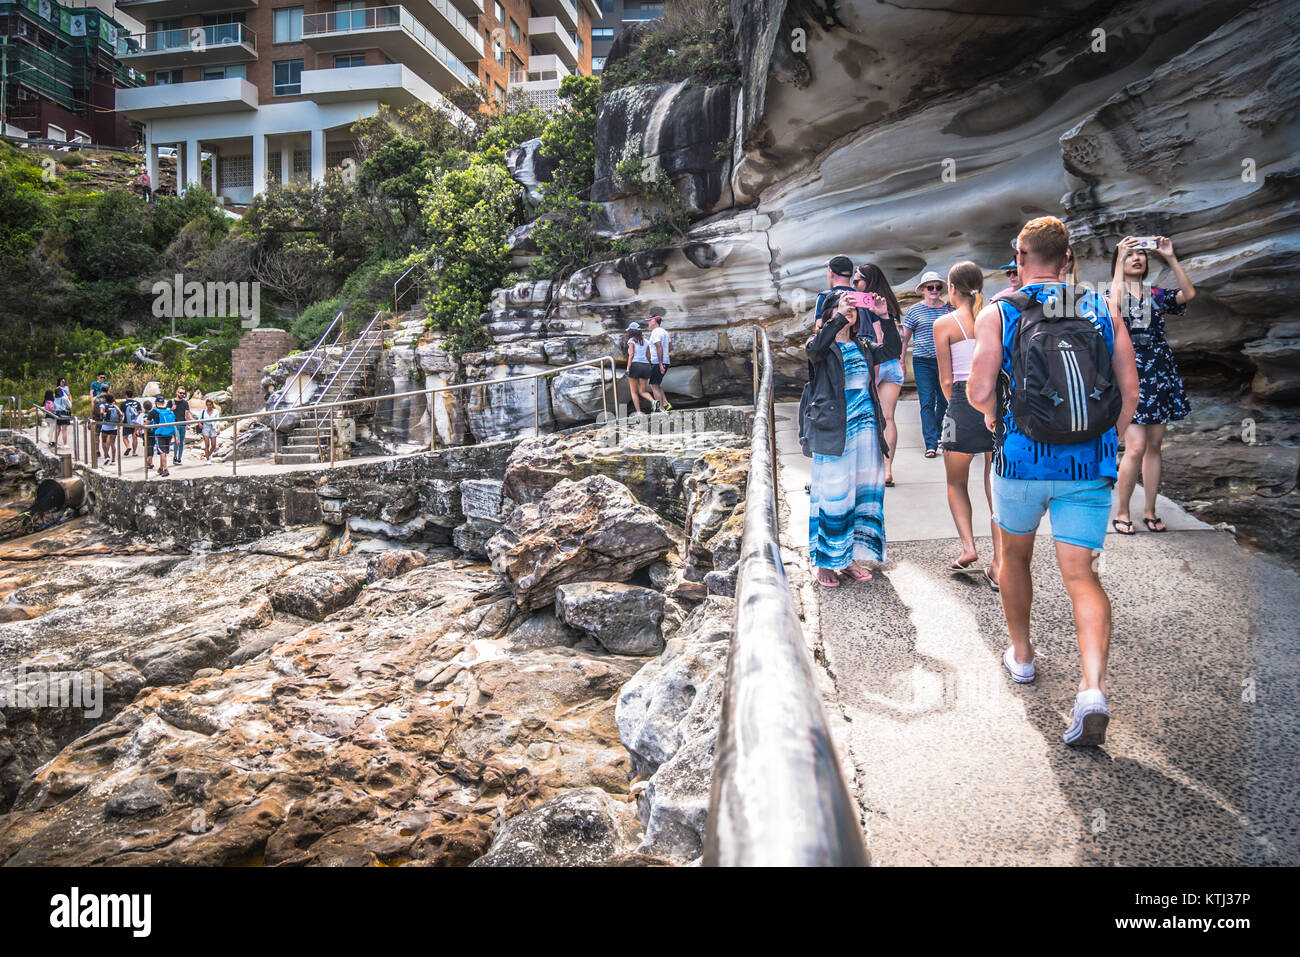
<point>1020,674</point>
<point>1088,720</point>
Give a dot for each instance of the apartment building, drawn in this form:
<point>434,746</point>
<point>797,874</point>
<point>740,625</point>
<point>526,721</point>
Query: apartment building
<point>269,89</point>
<point>59,71</point>
<point>614,17</point>
<point>534,44</point>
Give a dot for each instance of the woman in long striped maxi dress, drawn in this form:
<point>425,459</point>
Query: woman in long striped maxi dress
<point>846,523</point>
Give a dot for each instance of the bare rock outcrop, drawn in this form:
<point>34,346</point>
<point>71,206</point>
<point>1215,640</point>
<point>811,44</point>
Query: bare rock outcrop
<point>589,530</point>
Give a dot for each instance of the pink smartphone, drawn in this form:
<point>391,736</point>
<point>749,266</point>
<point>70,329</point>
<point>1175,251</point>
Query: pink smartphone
<point>864,300</point>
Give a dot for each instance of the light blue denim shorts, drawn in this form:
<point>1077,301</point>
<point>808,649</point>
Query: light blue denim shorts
<point>1080,509</point>
<point>891,371</point>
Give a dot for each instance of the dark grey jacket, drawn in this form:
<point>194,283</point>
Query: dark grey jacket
<point>823,409</point>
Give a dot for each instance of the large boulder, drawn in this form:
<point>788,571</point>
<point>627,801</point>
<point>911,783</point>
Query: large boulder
<point>589,530</point>
<point>625,619</point>
<point>668,716</point>
<point>316,594</point>
<point>575,829</point>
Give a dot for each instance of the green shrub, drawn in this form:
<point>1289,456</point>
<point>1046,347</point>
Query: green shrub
<point>692,41</point>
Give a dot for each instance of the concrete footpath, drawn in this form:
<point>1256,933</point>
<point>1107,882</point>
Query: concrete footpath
<point>951,763</point>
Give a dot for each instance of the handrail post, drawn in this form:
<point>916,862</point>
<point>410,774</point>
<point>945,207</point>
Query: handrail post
<point>331,422</point>
<point>94,444</point>
<point>234,450</point>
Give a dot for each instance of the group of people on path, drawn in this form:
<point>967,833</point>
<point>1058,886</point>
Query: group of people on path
<point>1041,380</point>
<point>118,425</point>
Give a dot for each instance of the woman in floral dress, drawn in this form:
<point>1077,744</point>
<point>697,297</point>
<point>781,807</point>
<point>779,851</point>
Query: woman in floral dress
<point>1163,398</point>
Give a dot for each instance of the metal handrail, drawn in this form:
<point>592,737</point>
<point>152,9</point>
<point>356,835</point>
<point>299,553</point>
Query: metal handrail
<point>325,392</point>
<point>261,414</point>
<point>414,285</point>
<point>279,396</point>
<point>778,796</point>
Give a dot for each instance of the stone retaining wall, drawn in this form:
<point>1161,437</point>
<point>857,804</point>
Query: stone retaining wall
<point>386,497</point>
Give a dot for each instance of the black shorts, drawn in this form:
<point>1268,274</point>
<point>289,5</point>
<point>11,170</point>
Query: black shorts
<point>149,439</point>
<point>639,370</point>
<point>163,443</point>
<point>656,376</point>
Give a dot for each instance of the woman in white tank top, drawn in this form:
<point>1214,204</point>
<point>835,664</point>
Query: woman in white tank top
<point>638,367</point>
<point>965,433</point>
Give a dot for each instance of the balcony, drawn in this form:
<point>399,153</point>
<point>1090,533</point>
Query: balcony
<point>396,32</point>
<point>563,10</point>
<point>450,26</point>
<point>188,46</point>
<point>471,8</point>
<point>594,10</point>
<point>549,35</point>
<point>187,99</point>
<point>547,67</point>
<point>145,10</point>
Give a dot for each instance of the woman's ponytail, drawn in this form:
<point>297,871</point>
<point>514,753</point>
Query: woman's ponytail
<point>968,279</point>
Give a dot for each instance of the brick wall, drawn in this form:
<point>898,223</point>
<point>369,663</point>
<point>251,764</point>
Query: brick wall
<point>257,349</point>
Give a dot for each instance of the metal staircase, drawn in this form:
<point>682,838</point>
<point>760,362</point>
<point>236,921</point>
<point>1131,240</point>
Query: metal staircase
<point>310,440</point>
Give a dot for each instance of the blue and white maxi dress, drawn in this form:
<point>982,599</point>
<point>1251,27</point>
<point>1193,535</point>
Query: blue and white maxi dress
<point>846,519</point>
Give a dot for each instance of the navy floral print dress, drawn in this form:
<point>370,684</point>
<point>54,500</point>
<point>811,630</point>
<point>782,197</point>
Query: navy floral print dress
<point>1162,397</point>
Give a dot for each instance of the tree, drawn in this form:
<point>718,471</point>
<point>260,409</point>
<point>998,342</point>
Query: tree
<point>468,215</point>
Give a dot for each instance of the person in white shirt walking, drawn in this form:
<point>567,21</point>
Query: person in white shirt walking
<point>659,362</point>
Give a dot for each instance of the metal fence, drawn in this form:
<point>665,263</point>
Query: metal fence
<point>88,439</point>
<point>779,797</point>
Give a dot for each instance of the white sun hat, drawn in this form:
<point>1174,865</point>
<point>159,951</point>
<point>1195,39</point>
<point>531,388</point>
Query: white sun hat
<point>929,277</point>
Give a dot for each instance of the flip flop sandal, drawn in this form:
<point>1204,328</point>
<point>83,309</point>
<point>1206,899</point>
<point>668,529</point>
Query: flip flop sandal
<point>1151,524</point>
<point>992,584</point>
<point>1116,523</point>
<point>859,574</point>
<point>967,569</point>
<point>930,453</point>
<point>828,584</point>
<point>889,483</point>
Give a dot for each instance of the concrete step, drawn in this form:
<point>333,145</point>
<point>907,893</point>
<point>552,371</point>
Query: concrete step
<point>295,458</point>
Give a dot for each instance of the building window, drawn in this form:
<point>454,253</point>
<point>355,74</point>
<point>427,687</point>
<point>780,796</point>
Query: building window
<point>581,46</point>
<point>350,15</point>
<point>288,77</point>
<point>597,64</point>
<point>501,12</point>
<point>516,69</point>
<point>236,172</point>
<point>224,72</point>
<point>165,77</point>
<point>499,92</point>
<point>273,169</point>
<point>500,53</point>
<point>602,33</point>
<point>606,6</point>
<point>288,25</point>
<point>344,61</point>
<point>514,30</point>
<point>301,166</point>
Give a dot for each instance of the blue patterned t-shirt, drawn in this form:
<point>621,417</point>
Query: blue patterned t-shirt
<point>921,319</point>
<point>1019,457</point>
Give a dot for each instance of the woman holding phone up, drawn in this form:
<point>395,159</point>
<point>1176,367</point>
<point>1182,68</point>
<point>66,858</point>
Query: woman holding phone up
<point>846,518</point>
<point>1162,398</point>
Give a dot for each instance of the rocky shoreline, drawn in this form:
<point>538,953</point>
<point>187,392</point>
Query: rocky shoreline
<point>324,695</point>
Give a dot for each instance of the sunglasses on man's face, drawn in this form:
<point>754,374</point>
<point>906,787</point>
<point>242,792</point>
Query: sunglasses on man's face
<point>934,288</point>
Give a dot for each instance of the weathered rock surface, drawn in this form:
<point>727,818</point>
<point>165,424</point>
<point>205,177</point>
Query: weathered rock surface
<point>625,619</point>
<point>588,530</point>
<point>652,464</point>
<point>668,717</point>
<point>575,829</point>
<point>402,728</point>
<point>316,594</point>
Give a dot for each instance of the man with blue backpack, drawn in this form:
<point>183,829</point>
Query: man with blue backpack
<point>163,434</point>
<point>1055,376</point>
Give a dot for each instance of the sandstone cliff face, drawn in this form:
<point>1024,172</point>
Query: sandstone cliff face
<point>916,136</point>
